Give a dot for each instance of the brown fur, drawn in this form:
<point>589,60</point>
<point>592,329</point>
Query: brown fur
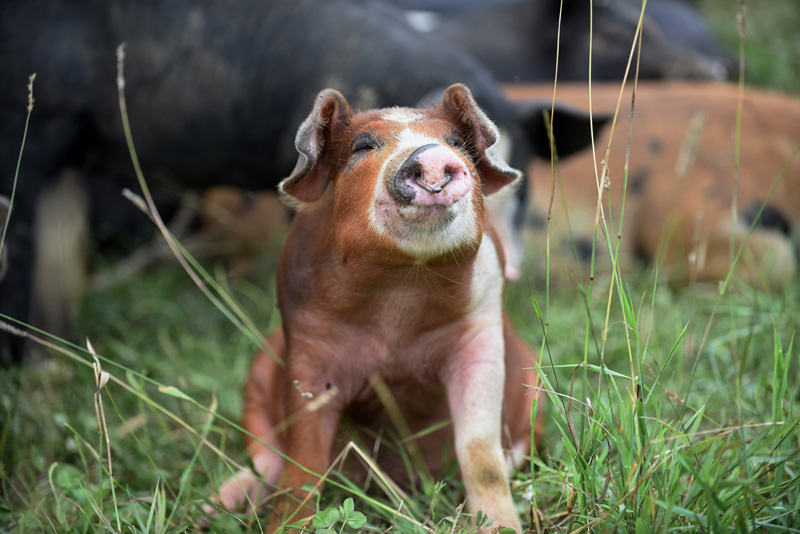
<point>696,124</point>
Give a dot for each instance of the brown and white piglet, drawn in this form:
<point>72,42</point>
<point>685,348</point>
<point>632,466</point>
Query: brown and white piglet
<point>391,280</point>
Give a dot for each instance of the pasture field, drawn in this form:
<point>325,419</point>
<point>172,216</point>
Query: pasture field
<point>668,409</point>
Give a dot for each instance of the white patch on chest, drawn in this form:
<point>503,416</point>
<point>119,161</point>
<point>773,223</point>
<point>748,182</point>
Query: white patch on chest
<point>487,284</point>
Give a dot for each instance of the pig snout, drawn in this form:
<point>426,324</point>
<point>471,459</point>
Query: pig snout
<point>433,175</point>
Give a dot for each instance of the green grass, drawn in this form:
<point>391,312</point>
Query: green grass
<point>702,441</point>
<point>669,410</point>
<point>772,50</point>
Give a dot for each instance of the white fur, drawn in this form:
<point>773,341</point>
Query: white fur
<point>475,392</point>
<point>410,139</point>
<point>404,115</point>
<point>486,316</point>
<point>487,284</point>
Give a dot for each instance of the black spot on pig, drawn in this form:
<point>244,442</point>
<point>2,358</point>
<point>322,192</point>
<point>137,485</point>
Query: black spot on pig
<point>771,218</point>
<point>655,146</point>
<point>583,249</point>
<point>639,180</point>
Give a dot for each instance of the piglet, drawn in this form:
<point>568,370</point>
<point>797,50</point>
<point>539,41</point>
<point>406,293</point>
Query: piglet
<point>391,286</point>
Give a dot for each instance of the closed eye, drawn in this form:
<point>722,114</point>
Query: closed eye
<point>455,140</point>
<point>363,143</point>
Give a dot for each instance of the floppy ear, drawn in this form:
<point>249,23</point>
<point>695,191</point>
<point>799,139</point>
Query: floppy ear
<point>312,172</point>
<point>481,135</point>
<point>571,128</point>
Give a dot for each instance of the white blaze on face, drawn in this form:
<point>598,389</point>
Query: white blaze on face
<point>423,232</point>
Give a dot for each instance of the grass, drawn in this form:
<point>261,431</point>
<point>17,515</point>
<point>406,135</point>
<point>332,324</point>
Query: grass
<point>705,442</point>
<point>668,410</point>
<point>772,52</point>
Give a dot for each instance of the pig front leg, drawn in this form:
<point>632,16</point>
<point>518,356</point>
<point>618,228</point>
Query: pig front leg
<point>309,440</point>
<point>475,394</point>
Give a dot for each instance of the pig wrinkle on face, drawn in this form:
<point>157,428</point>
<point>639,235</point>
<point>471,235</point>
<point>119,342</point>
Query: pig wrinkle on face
<point>406,225</point>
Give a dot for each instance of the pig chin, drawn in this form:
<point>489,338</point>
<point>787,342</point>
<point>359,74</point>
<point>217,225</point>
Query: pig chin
<point>427,230</point>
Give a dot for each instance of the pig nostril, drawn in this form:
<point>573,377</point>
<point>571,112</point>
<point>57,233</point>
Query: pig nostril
<point>422,167</point>
<point>438,188</point>
<point>428,188</point>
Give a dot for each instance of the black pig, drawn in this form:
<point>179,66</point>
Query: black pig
<point>516,39</point>
<point>215,91</point>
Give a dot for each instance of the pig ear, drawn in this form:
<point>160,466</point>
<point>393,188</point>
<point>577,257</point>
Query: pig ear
<point>571,128</point>
<point>313,170</point>
<point>482,135</point>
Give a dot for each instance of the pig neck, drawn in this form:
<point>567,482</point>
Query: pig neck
<point>370,284</point>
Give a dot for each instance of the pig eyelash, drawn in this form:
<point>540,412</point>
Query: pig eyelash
<point>465,144</point>
<point>455,140</point>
